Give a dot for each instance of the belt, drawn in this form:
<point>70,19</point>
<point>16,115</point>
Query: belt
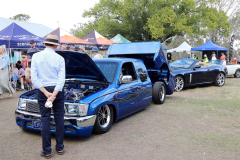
<point>50,87</point>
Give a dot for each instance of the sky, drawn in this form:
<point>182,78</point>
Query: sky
<point>51,13</point>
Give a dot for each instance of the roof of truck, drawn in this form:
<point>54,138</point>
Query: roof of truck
<point>134,48</point>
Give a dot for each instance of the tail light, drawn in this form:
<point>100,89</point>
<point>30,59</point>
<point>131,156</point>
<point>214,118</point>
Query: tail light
<point>225,69</point>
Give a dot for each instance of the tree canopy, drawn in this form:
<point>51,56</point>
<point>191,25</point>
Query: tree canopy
<point>146,20</point>
<point>21,17</point>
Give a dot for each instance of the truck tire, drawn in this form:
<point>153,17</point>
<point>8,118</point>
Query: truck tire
<point>159,93</point>
<point>104,119</point>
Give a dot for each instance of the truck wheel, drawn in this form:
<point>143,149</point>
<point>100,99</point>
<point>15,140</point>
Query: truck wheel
<point>159,92</point>
<point>237,73</point>
<point>220,79</point>
<point>104,119</point>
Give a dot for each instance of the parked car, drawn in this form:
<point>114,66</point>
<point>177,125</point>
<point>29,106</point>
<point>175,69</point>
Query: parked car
<point>233,69</point>
<point>190,72</point>
<point>156,62</point>
<point>96,94</point>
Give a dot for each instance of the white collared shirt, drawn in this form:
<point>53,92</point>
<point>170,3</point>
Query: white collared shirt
<point>48,69</point>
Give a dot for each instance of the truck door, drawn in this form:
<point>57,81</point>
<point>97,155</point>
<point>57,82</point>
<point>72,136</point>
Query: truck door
<point>146,90</point>
<point>129,95</point>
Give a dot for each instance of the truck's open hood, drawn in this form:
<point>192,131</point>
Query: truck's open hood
<point>80,65</point>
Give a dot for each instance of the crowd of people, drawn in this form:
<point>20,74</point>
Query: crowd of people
<point>17,76</point>
<point>213,57</point>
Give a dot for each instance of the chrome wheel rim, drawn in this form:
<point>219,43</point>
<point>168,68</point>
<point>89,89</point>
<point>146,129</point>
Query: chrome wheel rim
<point>179,83</point>
<point>104,116</point>
<point>221,79</point>
<point>238,73</point>
<point>162,93</point>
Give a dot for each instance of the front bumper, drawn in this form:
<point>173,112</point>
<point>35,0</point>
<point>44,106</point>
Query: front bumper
<point>74,126</point>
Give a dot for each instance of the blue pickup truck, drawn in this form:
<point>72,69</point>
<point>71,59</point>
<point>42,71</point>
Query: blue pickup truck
<point>100,92</point>
<point>96,94</point>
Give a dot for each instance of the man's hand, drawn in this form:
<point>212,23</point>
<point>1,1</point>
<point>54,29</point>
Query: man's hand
<point>51,98</point>
<point>47,94</point>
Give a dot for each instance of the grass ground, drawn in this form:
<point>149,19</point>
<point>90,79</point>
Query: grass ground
<point>197,123</point>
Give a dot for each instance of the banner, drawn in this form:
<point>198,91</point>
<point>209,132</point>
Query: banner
<point>231,48</point>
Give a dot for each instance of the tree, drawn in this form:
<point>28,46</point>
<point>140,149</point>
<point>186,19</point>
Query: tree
<point>146,20</point>
<point>21,17</point>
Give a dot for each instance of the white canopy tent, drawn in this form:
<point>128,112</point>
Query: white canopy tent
<point>184,47</point>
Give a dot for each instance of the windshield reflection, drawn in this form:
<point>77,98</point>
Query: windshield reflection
<point>182,63</point>
<point>108,69</point>
<point>216,61</point>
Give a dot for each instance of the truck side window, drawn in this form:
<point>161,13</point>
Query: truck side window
<point>128,69</point>
<point>142,71</point>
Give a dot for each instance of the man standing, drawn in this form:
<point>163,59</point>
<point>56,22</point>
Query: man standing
<point>96,54</point>
<point>30,53</point>
<point>48,76</point>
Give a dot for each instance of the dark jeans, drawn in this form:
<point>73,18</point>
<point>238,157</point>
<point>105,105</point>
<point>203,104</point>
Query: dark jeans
<point>58,110</point>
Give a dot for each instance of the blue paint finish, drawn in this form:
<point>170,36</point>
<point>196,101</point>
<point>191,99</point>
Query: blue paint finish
<point>124,98</point>
<point>152,55</point>
<point>80,132</point>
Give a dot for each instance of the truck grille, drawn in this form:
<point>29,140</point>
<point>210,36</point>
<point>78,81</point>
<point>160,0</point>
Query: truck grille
<point>32,106</point>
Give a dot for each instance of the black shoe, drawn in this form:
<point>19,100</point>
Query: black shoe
<point>61,152</point>
<point>45,156</point>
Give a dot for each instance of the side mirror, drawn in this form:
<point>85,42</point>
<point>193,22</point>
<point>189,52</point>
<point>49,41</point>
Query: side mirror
<point>126,79</point>
<point>197,66</point>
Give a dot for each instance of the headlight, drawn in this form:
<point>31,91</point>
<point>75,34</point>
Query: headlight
<point>83,109</point>
<point>72,109</point>
<point>76,109</point>
<point>22,104</point>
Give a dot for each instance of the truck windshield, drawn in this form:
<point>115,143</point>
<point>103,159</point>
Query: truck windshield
<point>108,69</point>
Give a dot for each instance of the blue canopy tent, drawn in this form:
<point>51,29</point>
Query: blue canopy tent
<point>210,47</point>
<point>14,36</point>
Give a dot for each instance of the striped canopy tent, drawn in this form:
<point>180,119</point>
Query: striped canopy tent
<point>70,40</point>
<point>96,38</point>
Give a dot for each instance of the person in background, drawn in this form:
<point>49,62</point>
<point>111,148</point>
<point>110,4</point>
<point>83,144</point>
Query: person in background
<point>96,54</point>
<point>58,48</point>
<point>72,48</point>
<point>24,56</point>
<point>64,47</point>
<point>30,53</point>
<point>214,56</point>
<point>205,59</point>
<point>48,76</point>
<point>223,58</point>
<point>17,75</point>
<point>81,49</point>
<point>14,75</point>
<point>195,57</point>
<point>5,85</point>
<point>238,59</point>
